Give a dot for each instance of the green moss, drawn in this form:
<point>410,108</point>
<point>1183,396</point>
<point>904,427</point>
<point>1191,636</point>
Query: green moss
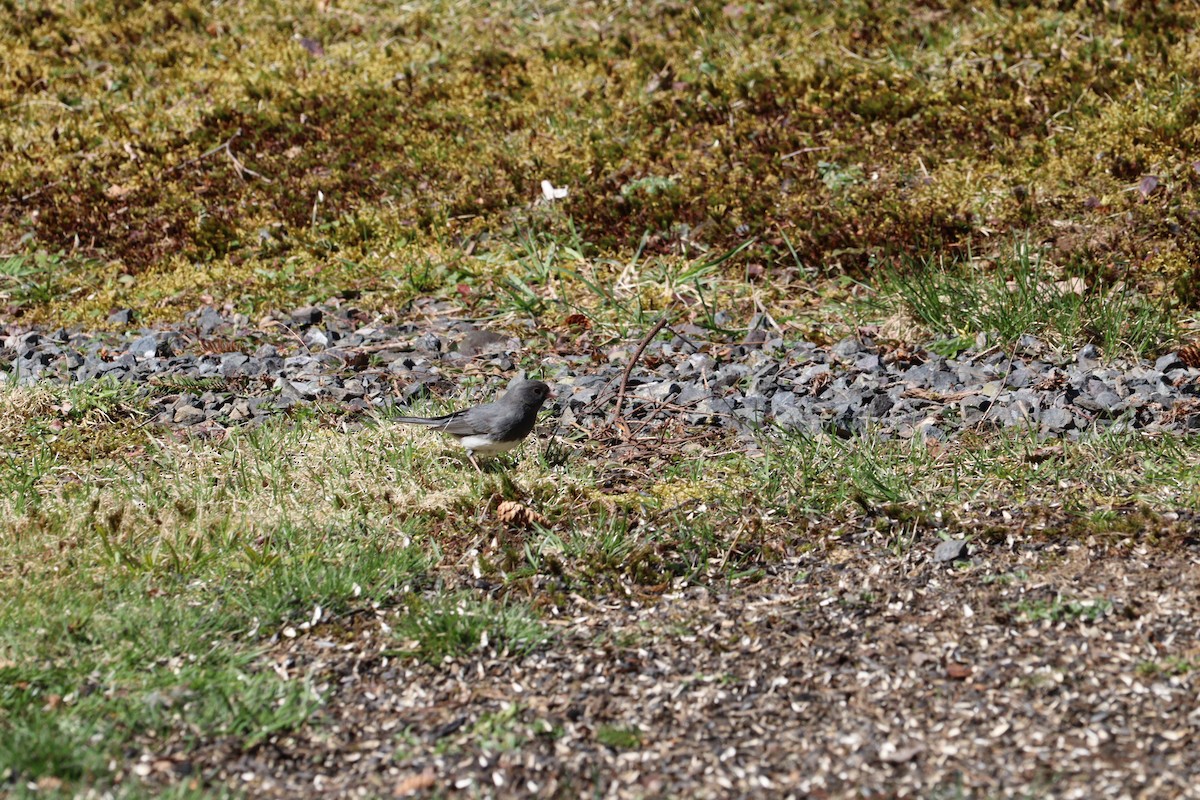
<point>148,135</point>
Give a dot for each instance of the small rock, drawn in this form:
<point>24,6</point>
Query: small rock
<point>1020,378</point>
<point>658,392</point>
<point>1168,362</point>
<point>296,364</point>
<point>930,432</point>
<point>765,379</point>
<point>755,404</point>
<point>795,419</point>
<point>123,316</point>
<point>1030,345</point>
<point>307,315</point>
<point>210,319</point>
<point>729,374</point>
<point>239,410</point>
<point>697,364</point>
<point>1109,402</point>
<point>877,406</point>
<point>188,415</point>
<point>123,363</point>
<point>289,395</point>
<point>782,400</point>
<point>1055,420</point>
<point>951,550</point>
<point>711,410</point>
<point>868,362</point>
<point>145,347</point>
<point>316,338</point>
<point>846,348</point>
<point>232,363</point>
<point>478,342</point>
<point>1088,357</point>
<point>692,393</point>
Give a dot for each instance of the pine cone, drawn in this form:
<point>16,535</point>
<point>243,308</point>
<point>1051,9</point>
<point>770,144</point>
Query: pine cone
<point>513,513</point>
<point>1189,354</point>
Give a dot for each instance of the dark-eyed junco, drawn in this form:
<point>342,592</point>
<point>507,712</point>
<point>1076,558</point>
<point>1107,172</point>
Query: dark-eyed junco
<point>492,427</point>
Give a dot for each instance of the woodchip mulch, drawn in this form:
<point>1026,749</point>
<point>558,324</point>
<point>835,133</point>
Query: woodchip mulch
<point>1045,666</point>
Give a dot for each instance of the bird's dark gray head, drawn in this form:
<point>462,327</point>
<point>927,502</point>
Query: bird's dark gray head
<point>528,393</point>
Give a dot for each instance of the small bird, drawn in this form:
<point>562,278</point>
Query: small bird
<point>492,427</point>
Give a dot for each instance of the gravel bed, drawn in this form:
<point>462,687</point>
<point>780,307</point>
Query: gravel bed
<point>217,370</point>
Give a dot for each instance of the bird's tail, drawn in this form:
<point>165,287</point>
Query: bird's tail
<point>419,420</point>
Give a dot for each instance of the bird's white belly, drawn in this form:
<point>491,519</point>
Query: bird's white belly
<point>483,444</point>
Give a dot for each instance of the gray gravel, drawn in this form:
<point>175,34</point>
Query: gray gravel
<point>217,370</point>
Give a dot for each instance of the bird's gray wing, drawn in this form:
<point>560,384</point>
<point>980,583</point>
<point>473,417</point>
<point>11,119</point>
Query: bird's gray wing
<point>466,422</point>
<point>490,418</point>
<point>506,421</point>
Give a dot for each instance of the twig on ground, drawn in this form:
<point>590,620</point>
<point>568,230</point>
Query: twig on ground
<point>242,169</point>
<point>222,146</point>
<point>728,552</point>
<point>274,323</point>
<point>40,189</point>
<point>637,354</point>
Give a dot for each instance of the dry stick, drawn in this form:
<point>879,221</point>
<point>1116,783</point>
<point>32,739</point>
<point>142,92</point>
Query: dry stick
<point>729,552</point>
<point>662,322</point>
<point>223,146</point>
<point>40,189</point>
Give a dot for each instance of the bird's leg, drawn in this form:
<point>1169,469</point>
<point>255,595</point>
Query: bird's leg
<point>474,463</point>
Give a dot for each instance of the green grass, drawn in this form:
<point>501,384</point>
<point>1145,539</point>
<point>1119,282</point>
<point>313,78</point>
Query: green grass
<point>500,732</point>
<point>1173,665</point>
<point>619,738</point>
<point>1020,295</point>
<point>819,476</point>
<point>139,600</point>
<point>1062,610</point>
<point>459,624</point>
<point>91,670</point>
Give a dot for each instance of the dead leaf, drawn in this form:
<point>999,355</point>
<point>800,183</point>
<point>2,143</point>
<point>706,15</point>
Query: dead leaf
<point>958,672</point>
<point>414,783</point>
<point>1044,454</point>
